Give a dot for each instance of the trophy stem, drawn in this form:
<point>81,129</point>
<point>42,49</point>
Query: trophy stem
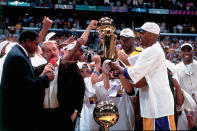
<point>106,127</point>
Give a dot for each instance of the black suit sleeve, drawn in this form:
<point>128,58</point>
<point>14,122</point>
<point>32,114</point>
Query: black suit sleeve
<point>30,80</point>
<point>39,70</point>
<point>71,88</point>
<point>79,89</point>
<point>22,92</point>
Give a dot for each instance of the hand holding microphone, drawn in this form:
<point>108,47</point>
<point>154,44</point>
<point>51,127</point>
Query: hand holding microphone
<point>52,61</point>
<point>49,68</point>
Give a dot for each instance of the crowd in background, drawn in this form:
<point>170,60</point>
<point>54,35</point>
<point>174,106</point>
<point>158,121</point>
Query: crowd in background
<point>165,4</point>
<point>16,23</point>
<point>171,45</point>
<point>68,23</point>
<point>172,48</point>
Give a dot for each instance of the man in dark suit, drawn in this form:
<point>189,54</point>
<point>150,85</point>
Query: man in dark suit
<point>21,91</point>
<point>60,110</point>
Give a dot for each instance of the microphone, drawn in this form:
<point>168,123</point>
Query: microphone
<point>52,61</point>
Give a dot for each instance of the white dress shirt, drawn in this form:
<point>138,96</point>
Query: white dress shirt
<point>38,60</point>
<point>50,98</point>
<point>156,99</point>
<point>1,66</point>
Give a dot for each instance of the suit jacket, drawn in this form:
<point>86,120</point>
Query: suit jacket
<point>70,90</point>
<point>21,92</point>
<point>70,82</point>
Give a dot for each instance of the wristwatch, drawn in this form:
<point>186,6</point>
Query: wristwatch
<point>76,111</point>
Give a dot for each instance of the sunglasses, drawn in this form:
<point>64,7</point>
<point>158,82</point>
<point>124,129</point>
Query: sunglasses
<point>143,31</point>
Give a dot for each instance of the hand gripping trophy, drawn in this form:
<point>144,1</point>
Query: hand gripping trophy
<point>106,113</point>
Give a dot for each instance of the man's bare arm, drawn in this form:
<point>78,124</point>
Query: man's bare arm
<point>85,35</point>
<point>47,23</point>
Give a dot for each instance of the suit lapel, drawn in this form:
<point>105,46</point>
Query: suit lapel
<point>27,59</point>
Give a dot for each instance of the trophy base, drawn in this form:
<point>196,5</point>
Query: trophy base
<point>106,114</point>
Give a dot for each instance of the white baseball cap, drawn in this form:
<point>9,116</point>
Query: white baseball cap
<point>150,27</point>
<point>186,45</point>
<point>80,65</point>
<point>49,35</point>
<point>127,32</point>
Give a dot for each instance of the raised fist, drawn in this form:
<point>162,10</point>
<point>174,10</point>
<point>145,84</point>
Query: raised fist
<point>106,66</point>
<point>93,24</point>
<point>96,59</point>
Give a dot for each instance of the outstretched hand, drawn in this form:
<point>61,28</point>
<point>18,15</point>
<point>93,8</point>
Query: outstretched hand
<point>68,41</point>
<point>47,23</point>
<point>96,59</point>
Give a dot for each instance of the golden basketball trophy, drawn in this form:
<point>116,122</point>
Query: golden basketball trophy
<point>106,114</point>
<point>106,29</point>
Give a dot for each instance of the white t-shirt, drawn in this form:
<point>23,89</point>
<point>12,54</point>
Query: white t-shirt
<point>87,121</point>
<point>189,67</point>
<point>156,99</point>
